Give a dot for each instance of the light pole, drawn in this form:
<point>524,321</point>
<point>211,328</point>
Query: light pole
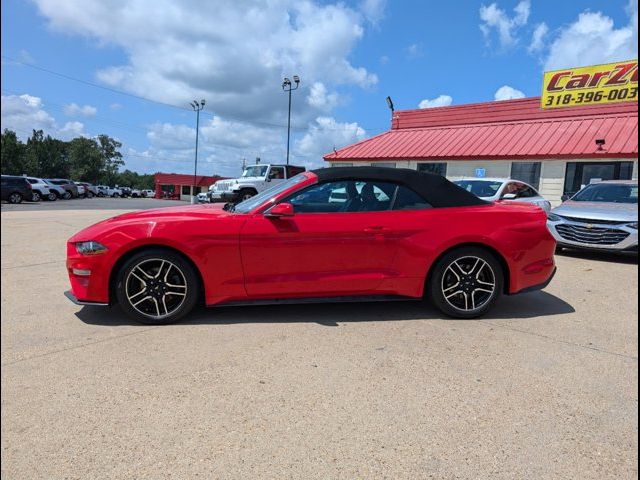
<point>288,87</point>
<point>196,107</point>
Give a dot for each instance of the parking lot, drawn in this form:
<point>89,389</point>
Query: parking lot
<point>544,387</point>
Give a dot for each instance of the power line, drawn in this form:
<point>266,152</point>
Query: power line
<point>157,102</point>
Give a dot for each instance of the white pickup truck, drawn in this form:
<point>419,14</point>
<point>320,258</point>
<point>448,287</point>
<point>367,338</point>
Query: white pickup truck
<point>253,180</point>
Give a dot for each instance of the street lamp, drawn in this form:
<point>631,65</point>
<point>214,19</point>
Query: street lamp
<point>287,86</point>
<point>196,108</point>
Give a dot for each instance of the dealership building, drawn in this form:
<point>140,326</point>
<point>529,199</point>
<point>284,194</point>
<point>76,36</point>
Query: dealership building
<point>557,151</point>
<point>180,186</point>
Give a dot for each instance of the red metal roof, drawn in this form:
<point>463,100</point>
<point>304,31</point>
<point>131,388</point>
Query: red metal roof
<point>184,179</point>
<point>511,129</point>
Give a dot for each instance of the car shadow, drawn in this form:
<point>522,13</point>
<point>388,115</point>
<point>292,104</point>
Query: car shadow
<point>529,305</point>
<point>610,257</point>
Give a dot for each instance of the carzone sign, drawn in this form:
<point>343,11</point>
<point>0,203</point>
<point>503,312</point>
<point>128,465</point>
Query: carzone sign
<point>610,83</point>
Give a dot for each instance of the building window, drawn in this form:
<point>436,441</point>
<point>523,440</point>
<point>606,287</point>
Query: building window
<point>186,190</point>
<point>580,174</point>
<point>384,164</point>
<point>528,172</point>
<point>439,168</point>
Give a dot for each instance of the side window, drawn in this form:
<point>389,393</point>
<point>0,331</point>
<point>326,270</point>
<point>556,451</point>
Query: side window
<point>344,196</point>
<point>510,188</point>
<point>32,181</point>
<point>527,192</point>
<point>276,173</point>
<point>293,171</point>
<point>407,199</point>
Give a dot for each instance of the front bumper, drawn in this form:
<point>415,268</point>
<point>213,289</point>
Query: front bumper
<point>604,237</point>
<point>73,298</point>
<point>231,196</point>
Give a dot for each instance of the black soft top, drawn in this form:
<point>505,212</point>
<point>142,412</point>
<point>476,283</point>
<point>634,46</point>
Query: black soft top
<point>435,189</point>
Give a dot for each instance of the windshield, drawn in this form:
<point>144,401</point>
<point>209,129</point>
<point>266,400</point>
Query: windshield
<point>611,193</point>
<point>255,171</point>
<point>253,202</point>
<point>480,188</point>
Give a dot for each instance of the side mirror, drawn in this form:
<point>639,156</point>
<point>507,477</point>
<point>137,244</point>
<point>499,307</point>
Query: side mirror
<point>509,196</point>
<point>280,210</point>
<point>564,197</point>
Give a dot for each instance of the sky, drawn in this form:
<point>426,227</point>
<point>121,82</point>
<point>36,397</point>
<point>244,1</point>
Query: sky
<point>130,68</point>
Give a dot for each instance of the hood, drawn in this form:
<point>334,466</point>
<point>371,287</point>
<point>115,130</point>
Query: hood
<point>151,218</point>
<point>620,212</point>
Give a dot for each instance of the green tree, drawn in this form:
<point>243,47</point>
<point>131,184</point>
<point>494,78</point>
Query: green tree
<point>112,157</point>
<point>86,159</point>
<point>46,156</point>
<point>13,154</point>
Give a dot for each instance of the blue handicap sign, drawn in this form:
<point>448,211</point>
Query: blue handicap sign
<point>481,172</point>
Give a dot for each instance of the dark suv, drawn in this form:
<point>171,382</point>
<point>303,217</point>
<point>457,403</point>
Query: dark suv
<point>15,189</point>
<point>71,189</point>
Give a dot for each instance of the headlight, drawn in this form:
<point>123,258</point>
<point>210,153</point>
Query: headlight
<point>633,225</point>
<point>552,217</point>
<point>90,248</point>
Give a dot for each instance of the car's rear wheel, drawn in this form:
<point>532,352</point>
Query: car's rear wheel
<point>35,196</point>
<point>466,282</point>
<point>115,195</point>
<point>15,197</point>
<point>157,287</point>
<point>67,195</point>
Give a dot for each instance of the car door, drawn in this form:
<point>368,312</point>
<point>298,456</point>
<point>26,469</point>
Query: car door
<point>332,245</point>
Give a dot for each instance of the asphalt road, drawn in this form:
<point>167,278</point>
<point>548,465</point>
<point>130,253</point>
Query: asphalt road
<point>545,387</point>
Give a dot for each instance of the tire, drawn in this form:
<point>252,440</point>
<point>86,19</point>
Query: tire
<point>152,300</point>
<point>67,195</point>
<point>466,282</point>
<point>116,195</point>
<point>15,197</point>
<point>35,196</point>
<point>89,195</point>
<point>52,197</point>
<point>246,195</point>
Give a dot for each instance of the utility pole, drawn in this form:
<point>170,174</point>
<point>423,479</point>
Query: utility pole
<point>287,86</point>
<point>196,107</point>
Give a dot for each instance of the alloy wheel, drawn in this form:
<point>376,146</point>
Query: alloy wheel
<point>15,198</point>
<point>156,288</point>
<point>35,197</point>
<point>468,283</point>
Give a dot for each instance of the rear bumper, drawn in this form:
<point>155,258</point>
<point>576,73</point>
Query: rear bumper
<point>72,297</point>
<point>538,286</point>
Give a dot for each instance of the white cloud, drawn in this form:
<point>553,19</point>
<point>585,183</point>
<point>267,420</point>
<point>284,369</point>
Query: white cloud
<point>508,93</point>
<point>321,99</point>
<point>493,17</point>
<point>439,101</point>
<point>592,39</point>
<point>116,106</point>
<point>415,50</point>
<point>25,113</point>
<point>538,37</point>
<point>373,10</point>
<point>75,110</point>
<point>234,55</point>
<point>384,59</point>
<point>323,136</point>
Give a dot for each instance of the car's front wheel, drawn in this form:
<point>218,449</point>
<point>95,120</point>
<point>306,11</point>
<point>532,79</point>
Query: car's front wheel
<point>157,286</point>
<point>67,195</point>
<point>466,282</point>
<point>35,196</point>
<point>52,197</point>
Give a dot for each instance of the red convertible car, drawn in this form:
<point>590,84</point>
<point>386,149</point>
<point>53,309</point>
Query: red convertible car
<point>330,234</point>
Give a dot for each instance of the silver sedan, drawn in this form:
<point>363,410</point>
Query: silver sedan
<point>601,216</point>
<point>493,189</point>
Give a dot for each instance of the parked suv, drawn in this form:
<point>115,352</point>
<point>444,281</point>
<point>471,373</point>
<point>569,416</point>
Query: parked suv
<point>15,189</point>
<point>253,180</point>
<point>57,190</point>
<point>71,189</point>
<point>90,190</point>
<point>41,190</point>
<point>105,191</point>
